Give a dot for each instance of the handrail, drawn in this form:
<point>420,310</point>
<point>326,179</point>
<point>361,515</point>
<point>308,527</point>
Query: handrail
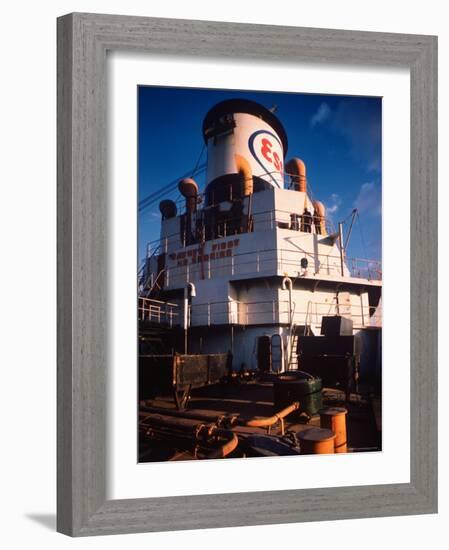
<point>145,298</point>
<point>254,312</point>
<point>263,311</point>
<point>280,259</point>
<point>153,310</point>
<point>255,215</point>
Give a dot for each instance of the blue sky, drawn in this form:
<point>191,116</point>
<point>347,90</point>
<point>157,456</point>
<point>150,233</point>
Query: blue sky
<point>338,137</point>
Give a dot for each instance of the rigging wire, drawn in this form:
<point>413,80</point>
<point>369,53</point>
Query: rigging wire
<point>361,236</point>
<point>153,197</point>
<point>168,188</point>
<point>199,158</point>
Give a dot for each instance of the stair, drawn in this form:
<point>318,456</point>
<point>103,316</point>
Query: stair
<point>293,356</point>
<point>296,332</point>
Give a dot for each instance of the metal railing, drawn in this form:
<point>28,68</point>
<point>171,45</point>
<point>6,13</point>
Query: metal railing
<point>268,218</point>
<point>361,315</point>
<point>277,311</point>
<point>256,312</point>
<point>163,313</point>
<point>271,262</point>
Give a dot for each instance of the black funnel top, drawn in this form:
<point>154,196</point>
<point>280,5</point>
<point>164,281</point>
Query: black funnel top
<point>231,106</point>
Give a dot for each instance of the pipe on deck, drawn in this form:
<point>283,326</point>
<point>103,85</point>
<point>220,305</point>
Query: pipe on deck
<point>205,416</point>
<point>225,449</point>
<point>267,422</point>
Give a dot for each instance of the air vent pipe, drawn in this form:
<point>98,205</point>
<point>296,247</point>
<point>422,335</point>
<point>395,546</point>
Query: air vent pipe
<point>296,169</point>
<point>189,190</point>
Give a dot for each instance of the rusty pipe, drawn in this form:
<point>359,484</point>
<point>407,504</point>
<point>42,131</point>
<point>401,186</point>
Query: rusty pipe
<point>205,416</point>
<point>168,423</point>
<point>226,448</point>
<point>245,172</point>
<point>296,168</point>
<point>267,422</point>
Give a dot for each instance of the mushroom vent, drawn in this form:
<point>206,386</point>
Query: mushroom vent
<point>168,209</point>
<point>188,188</point>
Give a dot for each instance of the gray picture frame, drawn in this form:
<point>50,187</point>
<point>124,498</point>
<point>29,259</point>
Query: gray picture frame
<point>83,41</point>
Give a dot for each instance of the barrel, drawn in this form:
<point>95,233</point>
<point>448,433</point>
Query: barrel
<point>316,441</point>
<point>298,386</point>
<point>334,418</point>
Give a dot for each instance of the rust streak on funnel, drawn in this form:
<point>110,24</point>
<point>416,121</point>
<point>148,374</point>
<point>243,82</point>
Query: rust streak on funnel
<point>189,190</point>
<point>296,168</point>
<point>244,169</point>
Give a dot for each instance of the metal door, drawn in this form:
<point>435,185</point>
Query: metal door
<point>276,353</point>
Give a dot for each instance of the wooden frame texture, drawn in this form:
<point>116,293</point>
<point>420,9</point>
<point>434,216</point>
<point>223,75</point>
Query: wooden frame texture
<point>83,40</point>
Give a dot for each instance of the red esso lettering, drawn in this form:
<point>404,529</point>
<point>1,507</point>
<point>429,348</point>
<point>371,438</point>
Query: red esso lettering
<point>266,152</point>
<point>266,149</point>
<point>277,162</point>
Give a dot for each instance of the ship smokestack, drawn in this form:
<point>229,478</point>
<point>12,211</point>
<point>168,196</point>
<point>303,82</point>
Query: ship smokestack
<point>244,140</point>
<point>296,168</point>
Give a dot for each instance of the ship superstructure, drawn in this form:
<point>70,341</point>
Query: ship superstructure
<point>252,264</point>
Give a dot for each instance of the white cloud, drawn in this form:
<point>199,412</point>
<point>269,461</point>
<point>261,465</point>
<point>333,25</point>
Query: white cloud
<point>322,114</point>
<point>369,199</point>
<point>335,202</point>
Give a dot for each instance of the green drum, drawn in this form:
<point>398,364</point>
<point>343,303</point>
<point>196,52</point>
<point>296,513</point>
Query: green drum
<point>298,386</point>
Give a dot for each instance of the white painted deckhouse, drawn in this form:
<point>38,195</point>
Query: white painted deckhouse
<point>252,263</point>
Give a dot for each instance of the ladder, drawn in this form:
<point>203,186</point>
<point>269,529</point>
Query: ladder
<point>293,356</point>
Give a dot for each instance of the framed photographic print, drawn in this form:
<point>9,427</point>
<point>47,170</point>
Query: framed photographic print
<point>246,274</point>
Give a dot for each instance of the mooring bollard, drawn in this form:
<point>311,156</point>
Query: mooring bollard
<point>316,441</point>
<point>334,418</point>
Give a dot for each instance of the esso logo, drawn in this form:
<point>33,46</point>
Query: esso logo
<point>266,148</point>
<point>268,154</point>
